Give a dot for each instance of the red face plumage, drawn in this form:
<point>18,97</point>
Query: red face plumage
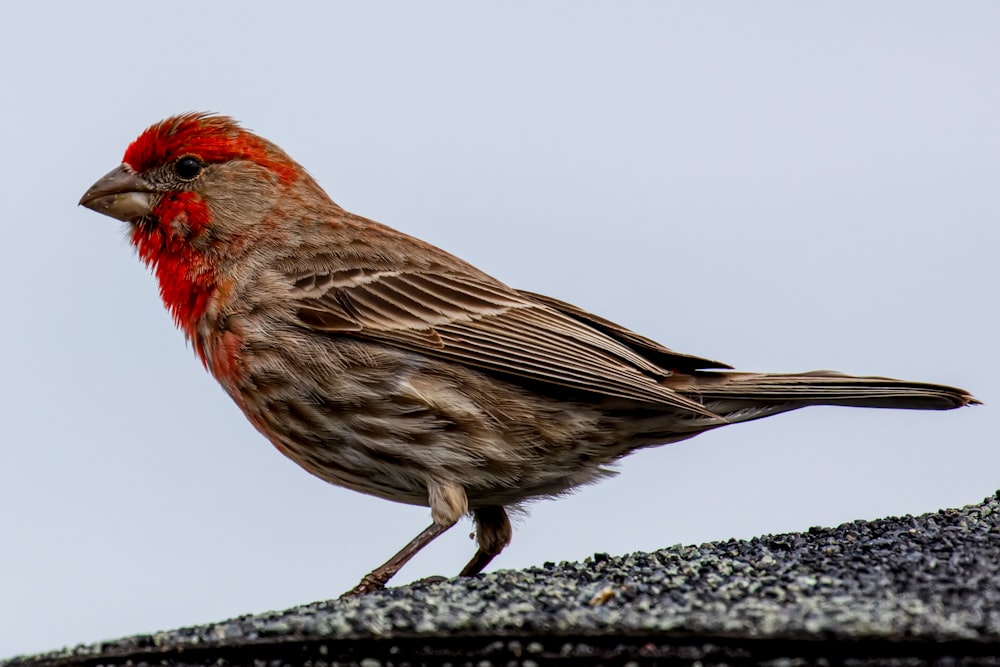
<point>186,278</point>
<point>171,239</point>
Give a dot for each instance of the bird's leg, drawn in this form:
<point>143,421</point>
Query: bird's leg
<point>492,535</point>
<point>448,503</point>
<point>376,579</point>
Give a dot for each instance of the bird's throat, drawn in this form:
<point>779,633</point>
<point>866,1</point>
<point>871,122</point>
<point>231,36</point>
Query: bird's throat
<point>186,277</point>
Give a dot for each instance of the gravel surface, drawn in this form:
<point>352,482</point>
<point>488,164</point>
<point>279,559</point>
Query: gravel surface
<point>926,587</point>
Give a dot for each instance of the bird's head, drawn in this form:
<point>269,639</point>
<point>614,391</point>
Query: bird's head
<point>198,192</point>
<point>186,176</point>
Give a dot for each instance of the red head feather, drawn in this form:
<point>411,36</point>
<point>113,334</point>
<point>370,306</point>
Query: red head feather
<point>208,137</point>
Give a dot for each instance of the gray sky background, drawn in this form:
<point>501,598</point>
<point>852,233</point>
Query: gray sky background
<point>783,186</point>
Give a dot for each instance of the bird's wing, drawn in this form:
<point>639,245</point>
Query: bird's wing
<point>650,349</point>
<point>473,320</point>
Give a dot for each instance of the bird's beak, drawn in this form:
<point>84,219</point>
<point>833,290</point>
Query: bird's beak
<point>121,194</point>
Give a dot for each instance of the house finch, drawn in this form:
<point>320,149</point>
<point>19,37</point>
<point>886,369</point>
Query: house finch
<point>383,364</point>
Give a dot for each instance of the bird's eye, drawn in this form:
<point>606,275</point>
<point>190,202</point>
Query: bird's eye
<point>187,167</point>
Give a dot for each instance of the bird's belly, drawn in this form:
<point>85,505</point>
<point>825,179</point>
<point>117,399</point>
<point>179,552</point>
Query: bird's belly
<point>388,423</point>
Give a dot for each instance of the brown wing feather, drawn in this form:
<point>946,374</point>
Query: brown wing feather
<point>472,320</point>
<point>663,356</point>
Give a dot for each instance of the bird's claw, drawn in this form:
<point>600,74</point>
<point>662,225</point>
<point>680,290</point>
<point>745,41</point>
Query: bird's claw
<point>369,584</point>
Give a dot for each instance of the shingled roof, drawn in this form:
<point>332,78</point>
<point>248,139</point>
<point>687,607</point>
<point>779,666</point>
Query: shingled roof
<point>905,590</point>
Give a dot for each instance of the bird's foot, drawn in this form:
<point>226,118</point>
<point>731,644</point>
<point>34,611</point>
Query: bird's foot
<point>369,584</point>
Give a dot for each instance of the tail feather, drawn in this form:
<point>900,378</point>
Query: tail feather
<point>823,388</point>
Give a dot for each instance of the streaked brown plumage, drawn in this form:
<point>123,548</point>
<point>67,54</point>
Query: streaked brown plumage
<point>383,364</point>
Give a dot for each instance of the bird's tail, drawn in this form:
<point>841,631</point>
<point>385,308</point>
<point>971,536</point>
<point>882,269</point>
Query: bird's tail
<point>740,397</point>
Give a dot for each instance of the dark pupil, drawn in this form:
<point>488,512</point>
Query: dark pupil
<point>187,167</point>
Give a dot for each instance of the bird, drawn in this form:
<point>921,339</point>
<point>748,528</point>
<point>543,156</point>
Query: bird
<point>381,363</point>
